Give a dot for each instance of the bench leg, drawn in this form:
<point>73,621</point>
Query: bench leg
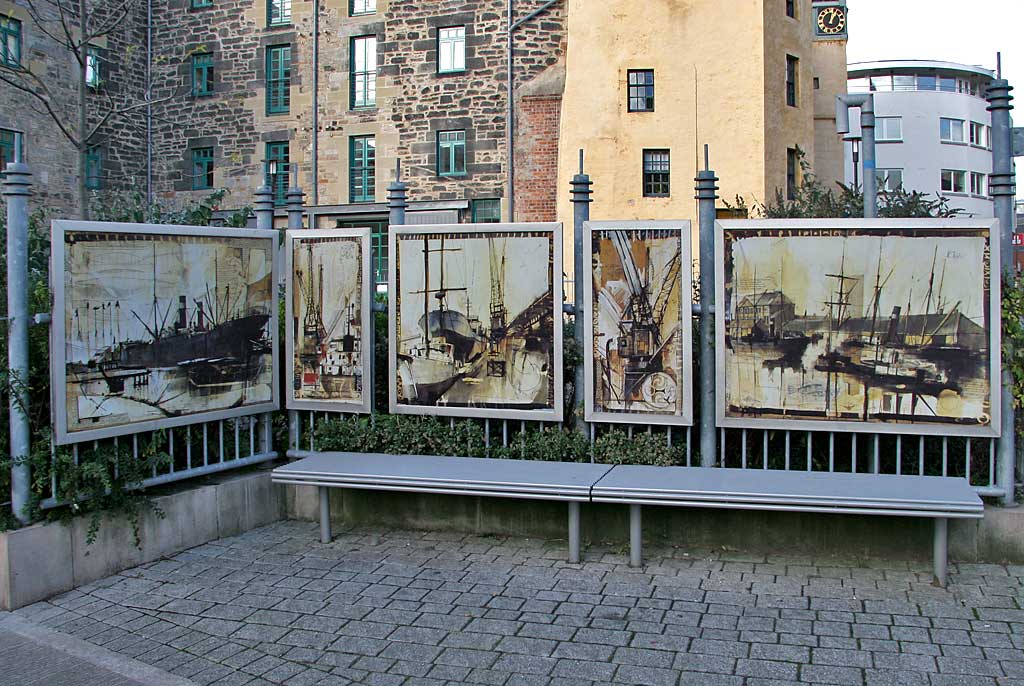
<point>574,532</point>
<point>939,551</point>
<point>325,514</point>
<point>636,553</point>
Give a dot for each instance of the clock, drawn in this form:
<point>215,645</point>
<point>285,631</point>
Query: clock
<point>831,20</point>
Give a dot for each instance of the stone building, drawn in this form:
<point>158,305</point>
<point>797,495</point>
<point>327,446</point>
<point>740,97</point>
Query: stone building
<point>338,91</point>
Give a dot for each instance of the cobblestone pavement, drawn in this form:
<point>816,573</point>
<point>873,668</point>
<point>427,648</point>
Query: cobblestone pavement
<point>416,608</point>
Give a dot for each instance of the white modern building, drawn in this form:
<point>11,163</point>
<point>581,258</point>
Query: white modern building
<point>933,130</point>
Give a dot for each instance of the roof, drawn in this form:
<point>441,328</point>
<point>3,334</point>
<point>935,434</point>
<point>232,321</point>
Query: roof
<point>858,69</point>
<point>765,298</point>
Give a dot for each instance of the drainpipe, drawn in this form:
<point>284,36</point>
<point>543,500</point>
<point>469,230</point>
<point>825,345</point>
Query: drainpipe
<point>866,103</point>
<point>149,110</point>
<point>315,182</point>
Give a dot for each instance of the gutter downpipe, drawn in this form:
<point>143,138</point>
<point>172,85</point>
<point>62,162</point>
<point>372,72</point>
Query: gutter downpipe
<point>315,161</point>
<point>149,110</point>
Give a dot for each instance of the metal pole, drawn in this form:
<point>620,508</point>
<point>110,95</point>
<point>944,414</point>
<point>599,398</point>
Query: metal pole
<point>510,115</point>
<point>939,550</point>
<point>1001,186</point>
<point>581,200</point>
<point>265,220</point>
<point>396,198</point>
<point>574,532</point>
<point>636,537</point>
<point>707,187</point>
<point>325,514</point>
<point>293,199</point>
<point>867,136</point>
<point>16,193</point>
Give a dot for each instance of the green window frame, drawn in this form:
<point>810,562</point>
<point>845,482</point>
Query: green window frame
<point>363,77</point>
<point>451,153</point>
<point>10,41</point>
<point>451,49</point>
<point>656,174</point>
<point>362,174</point>
<point>640,90</point>
<point>358,7</point>
<point>93,67</point>
<point>11,148</point>
<point>202,74</point>
<point>279,79</point>
<point>202,169</point>
<point>276,169</point>
<point>279,12</point>
<point>94,167</point>
<point>486,211</point>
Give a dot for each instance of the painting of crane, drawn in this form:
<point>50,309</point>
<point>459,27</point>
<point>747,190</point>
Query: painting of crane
<point>637,321</point>
<point>328,313</point>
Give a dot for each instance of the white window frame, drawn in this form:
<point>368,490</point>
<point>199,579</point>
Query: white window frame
<point>979,184</point>
<point>978,134</point>
<point>364,71</point>
<point>451,49</point>
<point>954,175</point>
<point>954,126</point>
<point>884,132</point>
<point>885,177</point>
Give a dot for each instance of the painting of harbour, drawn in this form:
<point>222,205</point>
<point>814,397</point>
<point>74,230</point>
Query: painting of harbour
<point>476,326</point>
<point>159,328</point>
<point>890,325</point>
<point>638,322</point>
<point>327,308</point>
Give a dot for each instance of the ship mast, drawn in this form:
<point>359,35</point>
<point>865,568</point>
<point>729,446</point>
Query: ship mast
<point>928,298</point>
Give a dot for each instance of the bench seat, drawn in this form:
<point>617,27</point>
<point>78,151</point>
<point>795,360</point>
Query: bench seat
<point>528,479</point>
<point>935,497</point>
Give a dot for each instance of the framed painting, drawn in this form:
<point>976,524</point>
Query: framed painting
<point>885,325</point>
<point>158,326</point>
<point>637,314</point>
<point>476,320</point>
<point>328,311</point>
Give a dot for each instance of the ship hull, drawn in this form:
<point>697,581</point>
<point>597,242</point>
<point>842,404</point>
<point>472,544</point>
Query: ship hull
<point>234,338</point>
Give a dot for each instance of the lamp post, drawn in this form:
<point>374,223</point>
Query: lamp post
<point>855,147</point>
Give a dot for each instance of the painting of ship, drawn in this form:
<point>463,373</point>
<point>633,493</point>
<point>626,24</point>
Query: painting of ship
<point>449,360</point>
<point>327,304</point>
<point>860,326</point>
<point>160,327</point>
<point>639,335</point>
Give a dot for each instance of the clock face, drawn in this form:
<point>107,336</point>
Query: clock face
<point>831,20</point>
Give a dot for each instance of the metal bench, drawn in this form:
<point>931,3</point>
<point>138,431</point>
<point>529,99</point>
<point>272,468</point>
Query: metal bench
<point>935,497</point>
<point>528,479</point>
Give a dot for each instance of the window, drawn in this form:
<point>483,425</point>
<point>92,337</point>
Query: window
<point>199,4</point>
<point>94,167</point>
<point>947,84</point>
<point>926,83</point>
<point>791,8</point>
<point>362,177</point>
<point>792,66</point>
<point>202,74</point>
<point>641,90</point>
<point>954,181</point>
<point>888,129</point>
<point>279,12</point>
<point>279,78</point>
<point>951,130</point>
<point>10,41</point>
<point>93,67</point>
<point>904,82</point>
<point>10,147</point>
<point>487,211</point>
<point>202,169</point>
<point>357,7</point>
<point>888,180</point>
<point>817,83</point>
<point>379,253</point>
<point>451,49</point>
<point>792,163</point>
<point>979,134</point>
<point>451,153</point>
<point>364,71</point>
<point>978,186</point>
<point>276,172</point>
<point>656,173</point>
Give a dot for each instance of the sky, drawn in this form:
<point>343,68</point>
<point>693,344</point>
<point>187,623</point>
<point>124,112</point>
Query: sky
<point>948,30</point>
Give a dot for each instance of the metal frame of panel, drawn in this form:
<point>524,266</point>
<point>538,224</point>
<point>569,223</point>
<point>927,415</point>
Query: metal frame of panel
<point>366,317</point>
<point>58,332</point>
<point>865,225</point>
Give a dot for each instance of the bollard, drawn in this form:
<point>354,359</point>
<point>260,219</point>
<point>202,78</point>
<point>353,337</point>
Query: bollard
<point>265,220</point>
<point>706,196</point>
<point>581,200</point>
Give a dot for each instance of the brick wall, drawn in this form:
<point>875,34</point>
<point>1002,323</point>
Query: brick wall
<point>536,146</point>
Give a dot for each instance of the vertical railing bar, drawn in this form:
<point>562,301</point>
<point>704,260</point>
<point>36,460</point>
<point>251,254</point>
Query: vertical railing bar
<point>920,457</point>
<point>967,463</point>
<point>629,431</point>
<point>787,450</point>
<point>206,447</point>
<point>831,452</point>
<point>188,447</point>
<point>117,457</point>
<point>743,449</point>
<point>899,453</point>
<point>311,432</point>
<point>668,435</point>
<point>522,439</point>
<point>220,446</point>
<point>689,443</point>
<point>945,456</point>
<point>487,437</point>
<point>764,449</point>
<point>504,433</point>
<point>810,440</point>
<point>853,453</point>
<point>875,459</point>
<point>252,435</point>
<point>53,468</point>
<point>237,439</point>
<point>721,448</point>
<point>170,448</point>
<point>991,463</point>
<point>74,453</point>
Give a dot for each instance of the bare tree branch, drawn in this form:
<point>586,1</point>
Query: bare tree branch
<point>44,100</point>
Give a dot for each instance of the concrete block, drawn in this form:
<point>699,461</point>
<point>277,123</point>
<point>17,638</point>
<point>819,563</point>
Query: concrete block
<point>35,563</point>
<point>264,502</point>
<point>190,519</point>
<point>302,503</point>
<point>231,507</point>
<point>1001,535</point>
<point>113,550</point>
